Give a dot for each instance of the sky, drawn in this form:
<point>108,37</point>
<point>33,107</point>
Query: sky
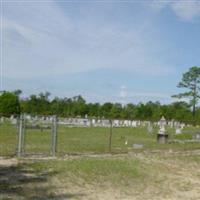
<point>118,51</point>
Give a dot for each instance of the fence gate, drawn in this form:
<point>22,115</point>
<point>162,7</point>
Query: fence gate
<point>37,136</point>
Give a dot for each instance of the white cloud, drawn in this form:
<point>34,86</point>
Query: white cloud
<point>42,40</point>
<point>149,94</point>
<point>127,95</point>
<point>184,10</point>
<point>123,91</point>
<point>131,97</point>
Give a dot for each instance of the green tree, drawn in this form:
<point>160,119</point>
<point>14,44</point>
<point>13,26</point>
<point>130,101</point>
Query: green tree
<point>18,92</point>
<point>129,111</point>
<point>181,111</point>
<point>57,106</point>
<point>116,111</point>
<point>93,109</point>
<point>106,110</point>
<point>9,104</point>
<point>191,82</point>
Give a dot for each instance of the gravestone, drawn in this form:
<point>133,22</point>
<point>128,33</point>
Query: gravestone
<point>171,123</point>
<point>138,146</point>
<point>162,122</point>
<point>2,119</point>
<point>150,129</point>
<point>178,131</point>
<point>182,125</point>
<point>116,123</point>
<point>162,135</point>
<point>14,121</point>
<point>134,123</point>
<point>162,131</point>
<point>93,122</point>
<point>196,136</point>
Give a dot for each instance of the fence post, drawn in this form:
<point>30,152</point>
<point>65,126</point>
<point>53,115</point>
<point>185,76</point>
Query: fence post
<point>23,134</point>
<point>20,136</point>
<point>54,137</point>
<point>110,137</point>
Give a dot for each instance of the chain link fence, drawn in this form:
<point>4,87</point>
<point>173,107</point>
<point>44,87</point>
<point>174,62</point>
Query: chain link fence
<point>21,136</point>
<point>24,136</point>
<point>48,136</point>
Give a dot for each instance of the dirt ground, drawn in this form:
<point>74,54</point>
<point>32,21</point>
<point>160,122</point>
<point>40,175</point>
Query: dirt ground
<point>177,178</point>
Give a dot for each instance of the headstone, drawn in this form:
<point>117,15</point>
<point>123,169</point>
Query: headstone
<point>196,136</point>
<point>134,123</point>
<point>116,123</point>
<point>143,124</point>
<point>162,121</point>
<point>178,131</point>
<point>2,119</point>
<point>138,146</point>
<point>14,121</point>
<point>162,131</point>
<point>150,129</point>
<point>85,122</point>
<point>105,123</point>
<point>182,125</point>
<point>162,135</point>
<point>171,123</point>
<point>93,122</point>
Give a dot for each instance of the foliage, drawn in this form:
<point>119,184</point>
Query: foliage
<point>191,81</point>
<point>9,104</point>
<point>77,106</point>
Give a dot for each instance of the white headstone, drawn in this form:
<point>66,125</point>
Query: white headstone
<point>149,129</point>
<point>178,131</point>
<point>162,131</point>
<point>14,121</point>
<point>134,123</point>
<point>162,122</point>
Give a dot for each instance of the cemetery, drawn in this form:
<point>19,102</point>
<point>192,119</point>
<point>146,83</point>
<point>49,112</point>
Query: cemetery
<point>99,100</point>
<point>41,150</point>
<point>51,136</point>
<point>82,155</point>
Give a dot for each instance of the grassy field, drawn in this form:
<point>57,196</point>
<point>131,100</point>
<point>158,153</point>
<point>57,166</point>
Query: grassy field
<point>129,176</point>
<point>90,140</point>
<point>85,170</point>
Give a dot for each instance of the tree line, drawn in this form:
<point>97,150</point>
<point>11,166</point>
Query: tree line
<point>41,104</point>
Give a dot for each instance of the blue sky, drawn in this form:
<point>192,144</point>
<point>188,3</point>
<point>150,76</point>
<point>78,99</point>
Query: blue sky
<point>119,51</point>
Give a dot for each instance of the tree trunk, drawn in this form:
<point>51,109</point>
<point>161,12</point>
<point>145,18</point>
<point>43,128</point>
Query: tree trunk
<point>194,111</point>
<point>194,103</point>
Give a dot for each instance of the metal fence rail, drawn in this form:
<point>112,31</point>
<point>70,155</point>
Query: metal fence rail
<point>48,136</point>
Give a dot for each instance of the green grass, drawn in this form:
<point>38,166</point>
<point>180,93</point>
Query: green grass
<point>93,170</point>
<point>144,174</point>
<point>122,173</point>
<point>37,141</point>
<point>90,140</point>
<point>8,139</point>
<point>82,140</point>
<point>46,179</point>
